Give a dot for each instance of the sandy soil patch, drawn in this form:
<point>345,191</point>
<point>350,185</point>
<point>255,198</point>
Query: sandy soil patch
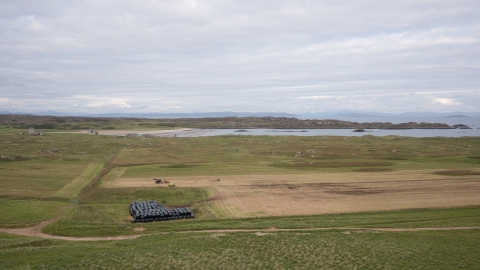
<point>184,132</point>
<point>308,194</point>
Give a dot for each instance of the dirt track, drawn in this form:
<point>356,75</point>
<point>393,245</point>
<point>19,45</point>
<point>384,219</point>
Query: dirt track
<point>36,231</point>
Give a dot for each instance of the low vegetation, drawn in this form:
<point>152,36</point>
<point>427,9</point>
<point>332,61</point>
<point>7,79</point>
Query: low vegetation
<point>97,220</point>
<point>108,123</point>
<point>458,172</point>
<point>348,249</point>
<point>70,176</point>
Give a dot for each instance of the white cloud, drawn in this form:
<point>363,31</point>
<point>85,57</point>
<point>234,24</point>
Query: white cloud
<point>321,97</point>
<point>114,103</point>
<point>447,101</point>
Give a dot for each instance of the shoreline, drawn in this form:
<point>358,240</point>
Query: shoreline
<point>154,133</point>
<point>199,132</point>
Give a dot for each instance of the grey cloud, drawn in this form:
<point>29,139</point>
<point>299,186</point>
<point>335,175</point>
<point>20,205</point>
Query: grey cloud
<point>224,55</point>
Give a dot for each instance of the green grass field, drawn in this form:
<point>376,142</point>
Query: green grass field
<point>105,220</point>
<point>62,175</point>
<point>21,213</point>
<point>72,189</point>
<point>348,249</point>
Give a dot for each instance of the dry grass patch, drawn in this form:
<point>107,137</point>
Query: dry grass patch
<point>373,170</point>
<point>336,164</point>
<point>278,179</point>
<point>323,198</point>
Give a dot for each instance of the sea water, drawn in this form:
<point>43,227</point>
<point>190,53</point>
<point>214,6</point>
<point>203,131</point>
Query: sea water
<point>473,122</point>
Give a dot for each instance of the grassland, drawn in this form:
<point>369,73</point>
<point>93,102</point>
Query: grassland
<point>75,177</point>
<point>72,189</point>
<point>22,213</point>
<point>351,249</point>
<point>92,220</point>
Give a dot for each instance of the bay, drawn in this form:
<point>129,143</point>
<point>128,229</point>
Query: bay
<point>473,122</point>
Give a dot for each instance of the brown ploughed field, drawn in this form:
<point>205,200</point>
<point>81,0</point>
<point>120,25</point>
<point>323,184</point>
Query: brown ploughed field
<point>322,193</point>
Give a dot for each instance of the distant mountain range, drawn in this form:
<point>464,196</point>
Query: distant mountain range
<point>380,114</point>
<point>308,115</point>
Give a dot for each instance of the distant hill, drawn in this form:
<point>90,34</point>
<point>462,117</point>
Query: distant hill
<point>195,114</point>
<point>161,115</point>
<point>330,114</point>
<point>457,115</point>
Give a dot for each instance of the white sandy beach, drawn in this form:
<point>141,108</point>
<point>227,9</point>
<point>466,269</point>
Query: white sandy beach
<point>184,132</point>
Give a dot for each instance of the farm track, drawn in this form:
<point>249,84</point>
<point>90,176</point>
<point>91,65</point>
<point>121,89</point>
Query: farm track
<point>36,231</point>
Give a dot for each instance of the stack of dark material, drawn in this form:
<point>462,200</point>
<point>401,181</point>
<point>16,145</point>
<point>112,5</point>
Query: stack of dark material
<point>147,211</point>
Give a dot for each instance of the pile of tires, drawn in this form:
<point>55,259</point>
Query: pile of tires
<point>148,211</point>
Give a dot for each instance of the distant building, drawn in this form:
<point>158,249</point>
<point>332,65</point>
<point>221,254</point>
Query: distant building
<point>92,132</point>
<point>33,132</point>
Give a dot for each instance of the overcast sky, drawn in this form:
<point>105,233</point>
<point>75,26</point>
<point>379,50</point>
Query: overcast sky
<point>280,56</point>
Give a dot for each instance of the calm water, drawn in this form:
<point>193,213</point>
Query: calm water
<point>473,122</point>
<point>342,132</point>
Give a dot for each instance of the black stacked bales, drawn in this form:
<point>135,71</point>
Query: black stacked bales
<point>148,211</point>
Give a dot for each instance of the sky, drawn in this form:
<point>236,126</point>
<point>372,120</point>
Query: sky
<point>104,56</point>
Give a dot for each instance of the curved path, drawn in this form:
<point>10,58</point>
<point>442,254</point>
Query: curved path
<point>36,231</point>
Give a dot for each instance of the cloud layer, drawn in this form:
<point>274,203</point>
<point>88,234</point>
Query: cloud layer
<point>290,56</point>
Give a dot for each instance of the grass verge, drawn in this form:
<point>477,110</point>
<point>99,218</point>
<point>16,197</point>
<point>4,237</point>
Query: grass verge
<point>96,223</point>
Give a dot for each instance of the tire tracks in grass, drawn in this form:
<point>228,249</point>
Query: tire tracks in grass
<point>72,189</point>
